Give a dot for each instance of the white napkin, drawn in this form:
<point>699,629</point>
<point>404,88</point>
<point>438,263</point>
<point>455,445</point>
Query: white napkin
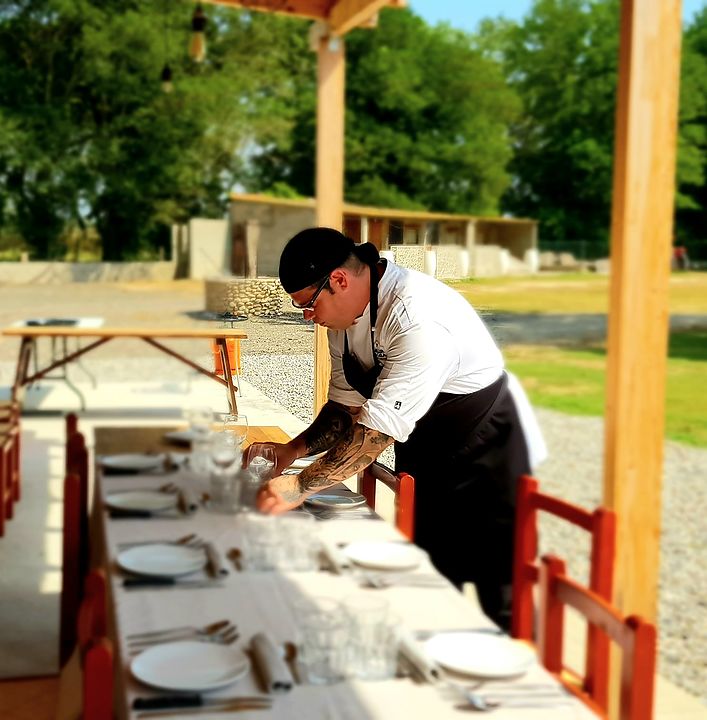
<point>190,499</point>
<point>415,654</point>
<point>338,561</point>
<point>270,664</point>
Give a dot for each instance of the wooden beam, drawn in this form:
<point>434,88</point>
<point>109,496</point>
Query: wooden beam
<point>641,238</point>
<point>308,9</point>
<point>329,175</point>
<point>345,15</point>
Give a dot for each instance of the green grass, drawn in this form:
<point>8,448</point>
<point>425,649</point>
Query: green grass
<point>575,293</point>
<point>571,378</point>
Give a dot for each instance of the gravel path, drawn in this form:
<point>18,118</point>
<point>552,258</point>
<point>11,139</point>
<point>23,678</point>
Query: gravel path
<point>278,361</point>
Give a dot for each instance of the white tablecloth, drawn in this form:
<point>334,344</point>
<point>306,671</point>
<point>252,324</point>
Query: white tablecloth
<point>258,601</point>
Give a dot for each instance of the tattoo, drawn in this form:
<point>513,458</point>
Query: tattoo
<point>356,449</point>
<point>332,423</point>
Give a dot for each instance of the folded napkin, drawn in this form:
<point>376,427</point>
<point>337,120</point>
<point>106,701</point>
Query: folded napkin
<point>415,655</point>
<point>337,560</point>
<point>270,664</point>
<point>191,501</point>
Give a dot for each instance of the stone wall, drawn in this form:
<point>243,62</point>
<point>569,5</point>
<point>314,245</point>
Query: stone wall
<point>60,273</point>
<point>240,296</point>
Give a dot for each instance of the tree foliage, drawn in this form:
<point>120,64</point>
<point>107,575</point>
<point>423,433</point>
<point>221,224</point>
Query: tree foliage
<point>518,117</point>
<point>426,122</point>
<point>90,137</point>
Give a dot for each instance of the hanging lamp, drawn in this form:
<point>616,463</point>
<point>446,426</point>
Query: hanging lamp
<point>197,43</point>
<point>166,79</point>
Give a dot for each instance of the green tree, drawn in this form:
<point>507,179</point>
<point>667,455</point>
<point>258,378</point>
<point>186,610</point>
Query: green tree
<point>92,139</point>
<point>426,119</point>
<point>691,217</point>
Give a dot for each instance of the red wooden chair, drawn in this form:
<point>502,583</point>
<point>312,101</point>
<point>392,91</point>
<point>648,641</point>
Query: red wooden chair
<point>96,650</point>
<point>77,464</point>
<point>402,485</point>
<point>70,600</point>
<point>10,449</point>
<point>635,636</point>
<point>601,524</point>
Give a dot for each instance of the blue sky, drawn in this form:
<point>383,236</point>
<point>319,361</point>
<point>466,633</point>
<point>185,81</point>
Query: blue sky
<point>465,14</point>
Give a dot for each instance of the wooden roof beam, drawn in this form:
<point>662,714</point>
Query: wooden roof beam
<point>346,15</point>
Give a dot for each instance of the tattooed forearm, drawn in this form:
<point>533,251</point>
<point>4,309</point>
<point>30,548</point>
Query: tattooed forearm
<point>333,421</point>
<point>355,450</point>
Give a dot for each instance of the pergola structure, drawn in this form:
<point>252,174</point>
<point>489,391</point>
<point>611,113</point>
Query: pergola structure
<point>641,238</point>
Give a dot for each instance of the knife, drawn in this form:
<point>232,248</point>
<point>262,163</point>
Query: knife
<point>120,514</point>
<point>194,700</point>
<point>160,582</point>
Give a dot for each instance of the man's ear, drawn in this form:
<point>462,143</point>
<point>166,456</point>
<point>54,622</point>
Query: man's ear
<point>339,278</point>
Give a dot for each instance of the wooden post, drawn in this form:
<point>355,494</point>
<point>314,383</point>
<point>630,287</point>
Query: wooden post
<point>641,236</point>
<point>330,175</point>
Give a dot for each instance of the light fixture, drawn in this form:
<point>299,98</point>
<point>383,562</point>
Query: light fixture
<point>197,43</point>
<point>166,79</point>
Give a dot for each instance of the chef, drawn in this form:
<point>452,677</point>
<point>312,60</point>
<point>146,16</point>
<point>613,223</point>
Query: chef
<point>412,364</point>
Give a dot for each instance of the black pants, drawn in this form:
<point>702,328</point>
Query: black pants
<point>466,456</point>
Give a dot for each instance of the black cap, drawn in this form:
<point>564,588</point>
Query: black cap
<point>311,255</point>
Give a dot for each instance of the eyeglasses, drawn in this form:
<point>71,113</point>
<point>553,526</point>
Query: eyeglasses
<point>309,305</point>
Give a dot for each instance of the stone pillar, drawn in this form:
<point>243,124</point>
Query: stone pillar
<point>364,229</point>
<point>252,237</point>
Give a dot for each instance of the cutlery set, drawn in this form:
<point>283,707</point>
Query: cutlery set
<point>193,704</point>
<point>222,632</point>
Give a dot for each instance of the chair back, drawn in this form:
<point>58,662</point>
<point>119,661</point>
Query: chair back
<point>403,486</point>
<point>601,525</point>
<point>70,569</point>
<point>95,649</point>
<point>77,464</point>
<point>635,636</point>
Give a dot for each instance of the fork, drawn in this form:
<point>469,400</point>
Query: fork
<point>225,637</point>
<point>183,630</point>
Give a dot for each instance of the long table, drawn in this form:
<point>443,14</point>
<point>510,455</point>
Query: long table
<point>263,601</point>
<point>100,335</point>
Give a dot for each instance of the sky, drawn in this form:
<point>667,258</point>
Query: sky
<point>465,14</point>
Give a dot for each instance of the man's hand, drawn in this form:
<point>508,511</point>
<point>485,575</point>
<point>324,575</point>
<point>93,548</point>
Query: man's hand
<point>279,495</point>
<point>285,455</point>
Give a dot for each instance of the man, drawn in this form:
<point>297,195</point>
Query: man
<point>412,363</point>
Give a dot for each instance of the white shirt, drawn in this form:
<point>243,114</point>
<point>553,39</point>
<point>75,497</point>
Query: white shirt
<point>430,340</point>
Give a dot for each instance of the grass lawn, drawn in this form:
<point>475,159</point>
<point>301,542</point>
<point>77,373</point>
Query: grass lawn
<point>571,378</point>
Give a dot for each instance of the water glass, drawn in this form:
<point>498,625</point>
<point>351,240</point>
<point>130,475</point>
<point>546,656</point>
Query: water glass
<point>262,542</point>
<point>225,492</point>
<point>224,451</point>
<point>250,485</point>
<point>322,639</point>
<point>300,540</point>
<point>199,419</point>
<point>372,652</point>
<point>260,460</point>
<point>235,424</point>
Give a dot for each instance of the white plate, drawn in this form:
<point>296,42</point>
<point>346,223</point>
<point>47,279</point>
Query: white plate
<point>480,655</point>
<point>384,555</point>
<point>336,502</point>
<point>183,437</point>
<point>162,560</point>
<point>133,461</point>
<point>190,666</point>
<point>303,462</point>
<point>147,500</point>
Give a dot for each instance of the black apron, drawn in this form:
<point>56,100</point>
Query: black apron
<point>466,455</point>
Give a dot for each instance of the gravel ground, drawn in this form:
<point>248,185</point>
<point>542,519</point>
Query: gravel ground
<point>277,360</point>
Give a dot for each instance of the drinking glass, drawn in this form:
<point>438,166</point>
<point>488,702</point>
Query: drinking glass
<point>224,450</point>
<point>261,460</point>
<point>199,419</point>
<point>372,651</point>
<point>237,425</point>
<point>323,636</point>
<point>301,542</point>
